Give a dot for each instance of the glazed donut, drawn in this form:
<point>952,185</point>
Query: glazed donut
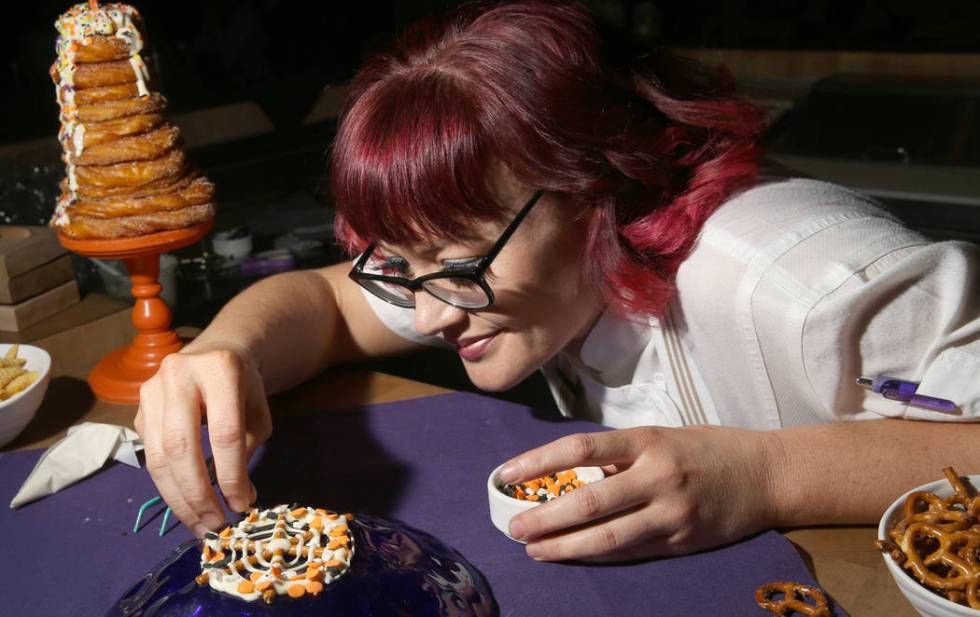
<point>103,74</point>
<point>94,96</point>
<point>100,132</point>
<point>132,174</point>
<point>111,110</point>
<point>139,147</point>
<point>101,49</point>
<point>151,188</point>
<point>138,225</point>
<point>198,192</point>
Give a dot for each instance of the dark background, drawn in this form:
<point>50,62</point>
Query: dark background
<point>280,53</point>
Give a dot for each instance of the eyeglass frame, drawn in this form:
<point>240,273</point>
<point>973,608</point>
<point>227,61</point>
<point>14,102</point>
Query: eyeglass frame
<point>475,274</point>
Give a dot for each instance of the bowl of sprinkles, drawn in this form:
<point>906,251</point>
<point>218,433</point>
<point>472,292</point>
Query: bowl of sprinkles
<point>283,551</point>
<point>508,500</point>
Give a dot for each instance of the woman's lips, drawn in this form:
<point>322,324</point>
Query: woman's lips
<point>474,347</point>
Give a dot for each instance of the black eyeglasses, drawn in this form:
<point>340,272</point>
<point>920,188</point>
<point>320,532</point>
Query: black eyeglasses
<point>465,288</point>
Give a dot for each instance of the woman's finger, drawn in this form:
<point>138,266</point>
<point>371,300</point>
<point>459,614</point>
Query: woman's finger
<point>224,401</point>
<point>634,533</point>
<point>588,503</point>
<point>571,451</point>
<point>151,430</point>
<point>181,444</point>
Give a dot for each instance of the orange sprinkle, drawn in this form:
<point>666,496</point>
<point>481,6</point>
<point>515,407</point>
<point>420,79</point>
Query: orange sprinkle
<point>349,516</point>
<point>333,544</point>
<point>314,575</point>
<point>263,585</point>
<point>255,576</point>
<point>533,498</point>
<point>321,512</point>
<point>207,552</point>
<point>314,587</point>
<point>275,572</point>
<point>296,591</point>
<point>297,578</point>
<point>314,565</point>
<point>253,516</point>
<point>333,563</point>
<point>298,512</point>
<point>317,522</point>
<point>218,556</point>
<point>338,531</point>
<point>331,516</point>
<point>246,587</point>
<point>344,540</point>
<point>226,532</point>
<point>201,579</point>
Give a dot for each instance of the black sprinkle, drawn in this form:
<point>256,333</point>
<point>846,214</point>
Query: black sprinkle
<point>260,536</point>
<point>219,564</point>
<point>211,535</point>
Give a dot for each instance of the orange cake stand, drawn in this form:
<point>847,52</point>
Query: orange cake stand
<point>118,376</point>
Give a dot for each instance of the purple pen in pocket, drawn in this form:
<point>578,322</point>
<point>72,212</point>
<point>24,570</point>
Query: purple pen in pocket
<point>903,391</point>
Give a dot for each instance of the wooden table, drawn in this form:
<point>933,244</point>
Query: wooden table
<point>842,558</point>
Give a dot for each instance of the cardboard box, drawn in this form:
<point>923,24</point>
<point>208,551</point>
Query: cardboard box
<point>33,282</point>
<point>33,310</point>
<point>24,248</point>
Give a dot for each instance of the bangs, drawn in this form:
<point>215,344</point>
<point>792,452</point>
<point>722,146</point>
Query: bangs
<point>412,161</point>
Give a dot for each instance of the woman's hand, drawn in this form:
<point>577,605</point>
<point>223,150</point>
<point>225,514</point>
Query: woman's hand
<point>219,382</point>
<point>668,491</point>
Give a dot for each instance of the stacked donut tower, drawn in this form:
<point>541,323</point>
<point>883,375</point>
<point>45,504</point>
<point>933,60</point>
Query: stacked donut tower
<point>127,173</point>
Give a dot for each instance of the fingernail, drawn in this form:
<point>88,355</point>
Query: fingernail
<point>533,551</point>
<point>517,530</point>
<point>212,521</point>
<point>508,474</point>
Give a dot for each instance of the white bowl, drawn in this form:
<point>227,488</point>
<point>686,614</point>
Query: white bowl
<point>504,508</point>
<point>928,604</point>
<point>17,411</point>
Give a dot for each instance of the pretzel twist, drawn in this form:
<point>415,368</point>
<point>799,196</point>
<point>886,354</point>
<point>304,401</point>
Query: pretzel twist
<point>938,541</point>
<point>797,598</point>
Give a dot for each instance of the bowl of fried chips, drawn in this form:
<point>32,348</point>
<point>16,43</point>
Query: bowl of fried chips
<point>24,375</point>
<point>930,540</point>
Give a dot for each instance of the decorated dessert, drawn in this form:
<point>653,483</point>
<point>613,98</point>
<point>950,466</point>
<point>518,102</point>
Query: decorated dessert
<point>308,562</point>
<point>126,171</point>
<point>275,552</point>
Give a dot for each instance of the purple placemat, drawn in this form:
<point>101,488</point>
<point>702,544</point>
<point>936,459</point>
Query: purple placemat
<point>425,462</point>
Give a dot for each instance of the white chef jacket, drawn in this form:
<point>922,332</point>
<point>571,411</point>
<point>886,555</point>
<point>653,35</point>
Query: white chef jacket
<point>794,289</point>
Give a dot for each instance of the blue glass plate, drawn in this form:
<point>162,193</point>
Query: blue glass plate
<point>396,570</point>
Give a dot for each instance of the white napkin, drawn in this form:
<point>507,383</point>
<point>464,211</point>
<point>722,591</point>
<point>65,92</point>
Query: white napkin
<point>82,452</point>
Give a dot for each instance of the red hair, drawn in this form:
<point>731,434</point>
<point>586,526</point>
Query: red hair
<point>647,147</point>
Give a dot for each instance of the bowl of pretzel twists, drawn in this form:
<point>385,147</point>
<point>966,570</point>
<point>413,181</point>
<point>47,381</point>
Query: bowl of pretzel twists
<point>930,540</point>
<point>24,372</point>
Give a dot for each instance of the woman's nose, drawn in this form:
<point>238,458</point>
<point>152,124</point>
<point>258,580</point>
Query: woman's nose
<point>432,315</point>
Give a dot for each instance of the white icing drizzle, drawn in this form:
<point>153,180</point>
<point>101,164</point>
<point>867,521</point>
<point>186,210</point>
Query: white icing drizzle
<point>303,542</point>
<point>78,139</point>
<point>76,27</point>
<point>142,74</point>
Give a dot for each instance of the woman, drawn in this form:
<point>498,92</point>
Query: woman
<point>517,191</point>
